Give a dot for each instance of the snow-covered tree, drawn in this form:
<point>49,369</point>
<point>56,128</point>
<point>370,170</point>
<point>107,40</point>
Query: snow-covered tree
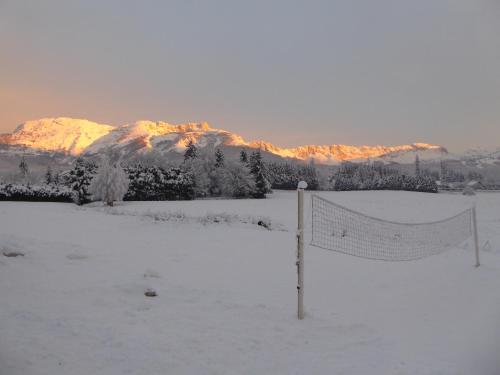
<point>243,157</point>
<point>443,172</point>
<point>207,176</point>
<point>56,178</point>
<point>219,158</point>
<point>191,151</point>
<point>287,175</point>
<point>111,182</point>
<point>309,174</point>
<point>417,165</point>
<point>24,170</point>
<point>238,182</point>
<point>352,176</point>
<point>156,183</point>
<point>262,186</point>
<point>49,179</point>
<point>34,193</point>
<point>344,183</point>
<point>79,179</point>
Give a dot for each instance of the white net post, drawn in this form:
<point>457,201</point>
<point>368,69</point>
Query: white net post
<point>474,232</point>
<point>300,249</point>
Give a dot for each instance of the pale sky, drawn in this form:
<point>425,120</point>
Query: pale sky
<point>290,72</point>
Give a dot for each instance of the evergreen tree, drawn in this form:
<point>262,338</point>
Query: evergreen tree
<point>79,179</point>
<point>257,170</point>
<point>219,158</point>
<point>110,184</point>
<point>378,177</point>
<point>24,169</point>
<point>443,172</point>
<point>243,157</point>
<point>309,174</point>
<point>287,176</point>
<point>49,179</point>
<point>430,173</point>
<point>191,151</point>
<point>344,183</point>
<point>417,165</point>
<point>33,193</point>
<point>283,175</point>
<point>156,183</point>
<point>56,179</point>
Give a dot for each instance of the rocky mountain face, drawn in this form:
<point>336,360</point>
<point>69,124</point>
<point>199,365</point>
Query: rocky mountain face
<point>74,137</point>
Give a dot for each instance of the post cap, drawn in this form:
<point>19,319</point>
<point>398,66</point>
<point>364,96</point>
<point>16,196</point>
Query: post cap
<point>302,185</point>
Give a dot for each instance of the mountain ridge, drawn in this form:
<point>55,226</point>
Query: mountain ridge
<point>77,137</point>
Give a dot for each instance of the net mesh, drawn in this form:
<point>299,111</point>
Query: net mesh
<point>337,228</point>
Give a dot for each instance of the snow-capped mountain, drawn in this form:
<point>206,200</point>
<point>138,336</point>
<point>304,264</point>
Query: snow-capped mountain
<point>76,137</point>
<point>64,135</point>
<point>331,154</point>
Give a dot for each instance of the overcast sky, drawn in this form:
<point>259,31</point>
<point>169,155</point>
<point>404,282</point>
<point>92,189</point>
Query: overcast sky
<point>291,72</point>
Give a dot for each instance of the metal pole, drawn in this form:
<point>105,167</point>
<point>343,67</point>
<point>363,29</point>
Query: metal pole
<point>474,232</point>
<point>300,249</point>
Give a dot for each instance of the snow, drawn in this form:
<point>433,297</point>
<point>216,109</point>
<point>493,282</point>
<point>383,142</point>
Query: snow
<point>77,136</point>
<point>226,304</point>
<point>60,134</point>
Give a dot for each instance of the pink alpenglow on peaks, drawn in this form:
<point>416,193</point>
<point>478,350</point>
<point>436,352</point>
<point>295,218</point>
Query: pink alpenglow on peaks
<point>62,134</point>
<point>76,136</point>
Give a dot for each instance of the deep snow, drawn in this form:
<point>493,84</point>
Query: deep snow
<point>226,304</point>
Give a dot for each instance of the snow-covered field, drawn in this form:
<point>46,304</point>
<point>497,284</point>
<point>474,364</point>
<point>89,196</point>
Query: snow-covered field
<point>226,304</point>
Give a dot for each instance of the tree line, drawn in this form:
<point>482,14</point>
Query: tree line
<point>202,174</point>
<point>377,176</point>
<point>207,173</point>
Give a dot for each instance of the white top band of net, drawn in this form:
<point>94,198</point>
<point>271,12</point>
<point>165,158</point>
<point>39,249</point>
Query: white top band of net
<point>337,228</point>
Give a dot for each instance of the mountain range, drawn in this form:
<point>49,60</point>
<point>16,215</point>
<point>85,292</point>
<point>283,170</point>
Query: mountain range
<point>76,137</point>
